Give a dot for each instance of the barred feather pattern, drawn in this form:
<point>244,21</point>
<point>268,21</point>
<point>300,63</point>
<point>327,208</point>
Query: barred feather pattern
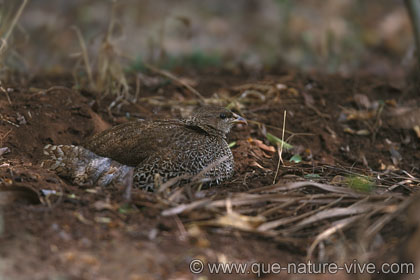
<point>168,148</point>
<point>83,167</point>
<point>192,156</point>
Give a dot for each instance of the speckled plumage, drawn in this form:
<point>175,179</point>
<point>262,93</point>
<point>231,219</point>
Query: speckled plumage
<point>169,148</point>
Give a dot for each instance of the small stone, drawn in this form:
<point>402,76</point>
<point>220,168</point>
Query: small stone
<point>20,119</point>
<point>4,150</point>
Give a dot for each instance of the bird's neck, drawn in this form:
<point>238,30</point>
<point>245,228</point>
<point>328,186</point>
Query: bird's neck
<point>205,128</point>
<point>212,131</point>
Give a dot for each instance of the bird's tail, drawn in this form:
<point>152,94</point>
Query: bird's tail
<point>84,167</point>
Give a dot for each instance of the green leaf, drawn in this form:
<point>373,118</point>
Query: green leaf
<point>295,158</point>
<point>360,183</point>
<point>275,140</point>
<point>232,144</point>
<point>312,176</point>
<point>124,208</point>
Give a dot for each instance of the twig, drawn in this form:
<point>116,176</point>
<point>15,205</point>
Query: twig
<point>413,7</point>
<point>6,93</point>
<point>278,128</point>
<point>378,122</point>
<point>85,54</point>
<point>137,92</point>
<point>172,182</point>
<point>4,137</point>
<point>171,76</point>
<point>339,225</point>
<point>183,232</point>
<point>63,88</point>
<point>374,228</point>
<point>203,172</point>
<point>12,25</point>
<point>128,183</point>
<point>9,122</point>
<point>280,151</point>
<point>191,178</point>
<point>322,115</point>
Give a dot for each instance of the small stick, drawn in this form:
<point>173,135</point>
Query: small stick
<point>413,7</point>
<point>171,76</point>
<point>12,25</point>
<point>85,54</point>
<point>280,151</point>
<point>53,88</point>
<point>7,94</point>
<point>128,183</point>
<point>4,137</point>
<point>192,178</point>
<point>9,122</point>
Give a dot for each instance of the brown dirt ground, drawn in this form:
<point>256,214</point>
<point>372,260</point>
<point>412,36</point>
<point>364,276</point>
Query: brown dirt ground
<point>74,237</point>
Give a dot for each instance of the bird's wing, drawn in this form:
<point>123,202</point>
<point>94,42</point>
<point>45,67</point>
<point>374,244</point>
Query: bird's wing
<point>132,142</point>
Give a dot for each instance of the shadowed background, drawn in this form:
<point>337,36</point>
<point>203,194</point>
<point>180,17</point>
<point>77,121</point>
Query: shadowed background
<point>333,36</point>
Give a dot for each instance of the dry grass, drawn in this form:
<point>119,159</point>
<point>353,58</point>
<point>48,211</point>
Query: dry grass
<point>9,21</point>
<point>308,216</point>
<point>341,216</point>
<point>105,72</point>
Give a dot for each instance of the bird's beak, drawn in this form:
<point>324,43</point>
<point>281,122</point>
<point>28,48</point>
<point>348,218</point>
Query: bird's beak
<point>239,119</point>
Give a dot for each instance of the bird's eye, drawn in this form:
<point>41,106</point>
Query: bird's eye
<point>223,116</point>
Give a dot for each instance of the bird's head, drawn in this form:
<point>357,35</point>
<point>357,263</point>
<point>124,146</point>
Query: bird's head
<point>215,117</point>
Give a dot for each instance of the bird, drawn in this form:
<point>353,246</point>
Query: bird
<point>151,149</point>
